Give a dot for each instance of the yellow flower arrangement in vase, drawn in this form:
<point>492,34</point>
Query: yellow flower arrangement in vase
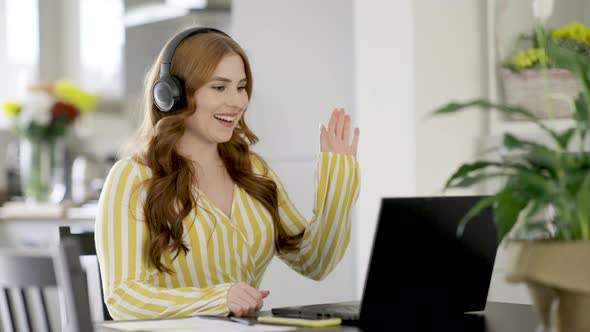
<point>525,83</point>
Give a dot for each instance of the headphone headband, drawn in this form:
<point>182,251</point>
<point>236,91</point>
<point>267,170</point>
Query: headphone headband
<point>173,44</point>
<point>168,91</point>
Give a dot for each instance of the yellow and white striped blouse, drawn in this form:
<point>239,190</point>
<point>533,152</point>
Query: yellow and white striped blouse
<point>223,250</point>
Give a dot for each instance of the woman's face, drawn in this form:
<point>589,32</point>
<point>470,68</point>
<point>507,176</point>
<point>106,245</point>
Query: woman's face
<point>221,102</point>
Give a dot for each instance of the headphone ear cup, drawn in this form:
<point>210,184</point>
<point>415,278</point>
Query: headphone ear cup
<point>167,93</point>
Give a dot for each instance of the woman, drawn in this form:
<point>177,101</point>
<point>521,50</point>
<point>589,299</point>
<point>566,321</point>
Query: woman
<point>188,223</point>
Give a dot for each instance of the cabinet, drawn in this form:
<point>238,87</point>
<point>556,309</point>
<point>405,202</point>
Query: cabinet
<point>38,226</point>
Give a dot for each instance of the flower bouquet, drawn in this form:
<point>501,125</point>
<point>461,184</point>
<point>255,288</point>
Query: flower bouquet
<point>42,119</point>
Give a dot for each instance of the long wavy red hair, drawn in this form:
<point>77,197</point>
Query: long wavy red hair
<point>169,196</point>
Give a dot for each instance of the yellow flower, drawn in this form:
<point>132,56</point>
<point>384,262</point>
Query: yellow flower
<point>70,93</point>
<point>556,34</point>
<point>11,108</point>
<point>575,30</point>
<point>527,58</point>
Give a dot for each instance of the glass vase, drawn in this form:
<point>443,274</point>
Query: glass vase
<point>42,170</point>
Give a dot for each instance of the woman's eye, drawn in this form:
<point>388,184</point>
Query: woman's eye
<point>218,88</point>
<point>241,88</point>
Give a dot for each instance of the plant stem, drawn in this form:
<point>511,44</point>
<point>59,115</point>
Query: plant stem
<point>540,34</point>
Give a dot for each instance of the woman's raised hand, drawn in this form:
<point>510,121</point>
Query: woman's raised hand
<point>336,138</point>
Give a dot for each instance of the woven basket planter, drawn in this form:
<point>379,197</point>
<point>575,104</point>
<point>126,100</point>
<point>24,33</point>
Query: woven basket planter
<point>544,94</point>
<point>557,276</point>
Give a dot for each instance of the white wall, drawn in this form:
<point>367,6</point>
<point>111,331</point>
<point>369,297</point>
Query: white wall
<point>301,56</point>
<point>385,102</point>
<point>450,65</point>
<point>389,63</point>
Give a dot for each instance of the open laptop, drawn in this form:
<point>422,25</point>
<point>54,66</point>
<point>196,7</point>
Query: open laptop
<point>419,268</point>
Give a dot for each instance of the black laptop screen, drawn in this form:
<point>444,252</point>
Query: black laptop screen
<point>419,265</point>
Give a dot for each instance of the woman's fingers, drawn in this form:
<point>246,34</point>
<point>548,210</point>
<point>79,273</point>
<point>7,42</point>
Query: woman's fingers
<point>263,295</point>
<point>323,138</point>
<point>254,299</point>
<point>355,141</point>
<point>336,137</point>
<point>346,129</point>
<point>332,123</point>
<point>244,299</point>
<point>244,305</point>
<point>239,307</point>
<point>339,130</point>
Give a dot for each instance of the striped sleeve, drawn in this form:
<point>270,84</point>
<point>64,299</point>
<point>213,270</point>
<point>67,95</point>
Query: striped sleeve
<point>327,233</point>
<point>128,281</point>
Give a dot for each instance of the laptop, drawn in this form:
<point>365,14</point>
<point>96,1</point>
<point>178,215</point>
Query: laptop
<point>419,267</point>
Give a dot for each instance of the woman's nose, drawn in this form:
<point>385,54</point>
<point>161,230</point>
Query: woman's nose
<point>236,99</point>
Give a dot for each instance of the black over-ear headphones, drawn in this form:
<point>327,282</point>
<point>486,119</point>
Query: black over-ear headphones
<point>168,91</point>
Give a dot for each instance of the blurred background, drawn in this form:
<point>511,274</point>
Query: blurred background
<point>388,63</point>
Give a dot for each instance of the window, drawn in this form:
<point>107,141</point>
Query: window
<point>102,41</point>
<point>19,48</point>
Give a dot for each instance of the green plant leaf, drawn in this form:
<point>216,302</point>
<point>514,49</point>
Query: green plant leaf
<point>506,212</point>
<point>57,128</point>
<point>565,57</point>
<point>576,62</point>
<point>469,180</point>
<point>484,104</point>
<point>474,211</point>
<point>532,185</point>
<point>533,208</point>
<point>542,158</point>
<point>583,207</point>
<point>512,142</point>
<point>466,170</point>
<point>563,138</point>
<point>581,114</point>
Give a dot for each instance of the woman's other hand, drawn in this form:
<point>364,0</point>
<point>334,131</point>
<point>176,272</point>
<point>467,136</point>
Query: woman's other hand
<point>336,138</point>
<point>243,299</point>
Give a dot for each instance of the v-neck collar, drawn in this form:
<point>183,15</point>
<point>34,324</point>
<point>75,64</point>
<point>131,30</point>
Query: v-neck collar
<point>202,195</point>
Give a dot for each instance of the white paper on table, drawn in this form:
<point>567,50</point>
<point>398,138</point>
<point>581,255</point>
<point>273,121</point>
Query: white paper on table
<point>194,323</point>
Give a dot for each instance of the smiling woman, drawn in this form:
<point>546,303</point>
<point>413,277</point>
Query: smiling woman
<point>188,222</point>
<point>221,103</point>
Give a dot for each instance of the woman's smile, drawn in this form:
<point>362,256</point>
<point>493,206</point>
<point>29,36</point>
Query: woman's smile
<point>226,119</point>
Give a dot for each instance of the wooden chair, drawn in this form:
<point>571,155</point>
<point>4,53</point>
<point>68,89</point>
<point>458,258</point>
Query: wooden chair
<point>27,276</point>
<point>87,247</point>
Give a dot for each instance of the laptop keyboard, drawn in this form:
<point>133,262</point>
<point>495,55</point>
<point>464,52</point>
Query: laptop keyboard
<point>349,309</point>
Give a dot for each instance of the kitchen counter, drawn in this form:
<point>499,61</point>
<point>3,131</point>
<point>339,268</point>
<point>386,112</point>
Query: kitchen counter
<point>24,211</point>
<point>37,225</point>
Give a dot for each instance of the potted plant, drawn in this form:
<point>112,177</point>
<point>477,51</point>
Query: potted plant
<point>42,120</point>
<point>542,209</point>
<point>527,73</point>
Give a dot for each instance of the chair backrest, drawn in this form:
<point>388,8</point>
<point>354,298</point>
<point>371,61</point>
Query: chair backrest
<point>85,240</point>
<point>87,247</point>
<point>27,276</point>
